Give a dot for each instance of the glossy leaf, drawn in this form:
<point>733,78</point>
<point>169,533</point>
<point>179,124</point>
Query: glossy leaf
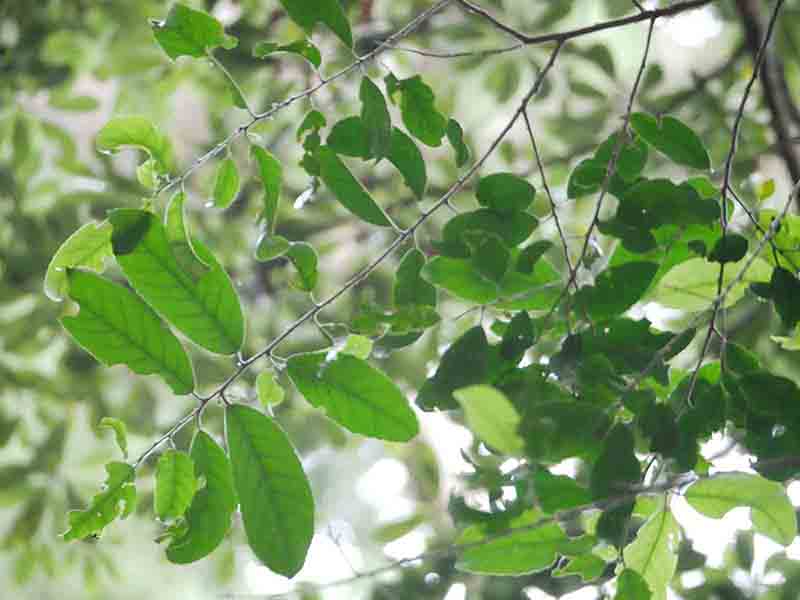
<point>226,184</point>
<point>654,552</point>
<point>505,193</point>
<point>491,416</point>
<point>175,484</point>
<point>771,510</point>
<point>273,491</point>
<point>202,304</point>
<point>116,327</point>
<point>347,189</point>
<point>118,498</point>
<point>190,32</point>
<point>673,139</point>
<point>209,516</point>
<point>136,132</point>
<point>328,12</point>
<point>354,394</point>
<point>88,248</point>
<point>303,48</point>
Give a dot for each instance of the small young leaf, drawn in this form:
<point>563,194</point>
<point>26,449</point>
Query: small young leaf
<point>505,193</point>
<point>136,132</point>
<point>455,135</point>
<point>491,416</point>
<point>118,496</point>
<point>418,109</point>
<point>376,119</point>
<point>190,32</point>
<point>269,391</point>
<point>116,327</point>
<point>673,139</point>
<point>271,173</point>
<point>347,189</point>
<point>304,259</point>
<point>120,432</point>
<point>88,247</point>
<point>273,491</point>
<point>328,12</point>
<point>355,395</point>
<point>358,346</point>
<point>771,510</point>
<point>226,184</point>
<point>209,516</point>
<point>270,247</point>
<point>303,48</point>
<point>654,552</point>
<point>175,484</point>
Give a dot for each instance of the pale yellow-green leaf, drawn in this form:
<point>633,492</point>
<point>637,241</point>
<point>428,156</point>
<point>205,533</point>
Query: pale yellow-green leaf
<point>270,392</point>
<point>654,552</point>
<point>88,247</point>
<point>491,416</point>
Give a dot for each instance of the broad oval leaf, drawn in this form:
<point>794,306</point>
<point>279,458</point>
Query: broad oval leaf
<point>461,278</point>
<point>347,189</point>
<point>328,12</point>
<point>616,289</point>
<point>88,247</point>
<point>631,586</point>
<point>200,301</point>
<point>175,484</point>
<point>190,32</point>
<point>116,327</point>
<point>491,416</point>
<point>209,516</point>
<point>654,552</point>
<point>136,132</point>
<point>274,493</point>
<point>771,510</point>
<point>505,192</point>
<point>731,247</point>
<point>418,109</point>
<point>673,139</point>
<point>355,395</point>
<point>118,498</point>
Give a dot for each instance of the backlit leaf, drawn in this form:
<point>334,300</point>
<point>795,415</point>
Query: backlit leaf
<point>654,552</point>
<point>328,12</point>
<point>226,184</point>
<point>117,498</point>
<point>175,484</point>
<point>190,32</point>
<point>88,247</point>
<point>491,416</point>
<point>136,132</point>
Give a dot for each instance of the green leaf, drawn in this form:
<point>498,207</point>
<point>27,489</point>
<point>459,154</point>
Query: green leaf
<point>558,492</point>
<point>517,553</point>
<point>189,32</point>
<point>313,122</point>
<point>358,346</point>
<point>136,132</point>
<point>771,510</point>
<point>204,307</point>
<point>651,203</point>
<point>273,491</point>
<point>209,516</point>
<point>616,289</point>
<point>632,156</point>
<point>586,566</point>
<point>505,193</point>
<point>271,173</point>
<point>347,189</point>
<point>88,247</point>
<point>612,474</point>
<point>120,432</point>
<point>418,109</point>
<point>784,288</point>
<point>116,327</point>
<point>513,228</point>
<point>407,158</point>
<point>376,119</point>
<point>490,257</point>
<point>631,586</point>
<point>461,278</point>
<point>409,287</point>
<point>226,184</point>
<point>355,395</point>
<point>269,391</point>
<point>328,12</point>
<point>491,416</point>
<point>731,247</point>
<point>673,139</point>
<point>465,363</point>
<point>270,247</point>
<point>350,138</point>
<point>303,48</point>
<point>117,498</point>
<point>518,337</point>
<point>654,552</point>
<point>586,178</point>
<point>304,259</point>
<point>455,135</point>
<point>175,484</point>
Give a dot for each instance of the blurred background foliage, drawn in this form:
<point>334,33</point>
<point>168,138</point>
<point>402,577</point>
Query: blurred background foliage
<point>67,66</point>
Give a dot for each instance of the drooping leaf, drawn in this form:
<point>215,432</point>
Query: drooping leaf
<point>190,32</point>
<point>209,516</point>
<point>269,391</point>
<point>136,132</point>
<point>417,106</point>
<point>88,248</point>
<point>455,135</point>
<point>673,139</point>
<point>491,416</point>
<point>271,173</point>
<point>347,189</point>
<point>304,259</point>
<point>303,48</point>
<point>328,12</point>
<point>354,394</point>
<point>771,510</point>
<point>205,308</point>
<point>120,432</point>
<point>270,247</point>
<point>654,552</point>
<point>273,491</point>
<point>407,158</point>
<point>175,484</point>
<point>116,327</point>
<point>505,193</point>
<point>376,119</point>
<point>117,498</point>
<point>226,184</point>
